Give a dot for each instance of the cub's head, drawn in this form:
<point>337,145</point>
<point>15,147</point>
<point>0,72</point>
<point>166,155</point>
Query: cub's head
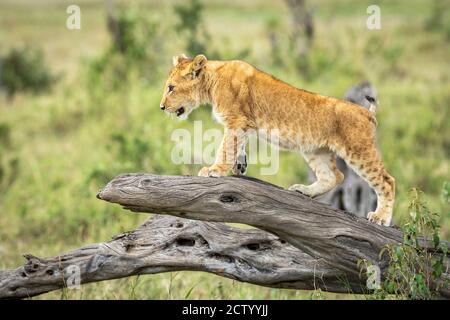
<point>182,91</point>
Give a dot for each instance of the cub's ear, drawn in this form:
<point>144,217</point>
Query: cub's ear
<point>177,59</point>
<point>197,63</point>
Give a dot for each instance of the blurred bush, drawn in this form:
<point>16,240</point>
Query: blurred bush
<point>446,192</point>
<point>415,271</point>
<point>134,52</point>
<point>273,35</point>
<point>130,152</point>
<point>25,69</point>
<point>434,20</point>
<point>197,39</point>
<point>9,164</point>
<point>190,15</point>
<point>439,17</point>
<point>302,34</point>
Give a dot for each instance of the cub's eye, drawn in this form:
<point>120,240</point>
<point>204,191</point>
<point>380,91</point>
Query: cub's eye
<point>170,87</point>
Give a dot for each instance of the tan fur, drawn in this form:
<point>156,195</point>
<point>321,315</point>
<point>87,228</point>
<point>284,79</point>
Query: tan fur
<point>317,126</point>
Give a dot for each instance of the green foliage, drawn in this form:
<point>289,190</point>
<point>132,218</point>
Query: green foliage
<point>9,163</point>
<point>189,292</point>
<point>317,294</point>
<point>393,54</point>
<point>446,192</point>
<point>190,25</point>
<point>389,51</point>
<point>5,135</point>
<point>416,265</point>
<point>132,151</point>
<point>135,52</point>
<point>70,142</point>
<point>273,35</point>
<point>316,63</point>
<point>24,69</point>
<point>437,18</point>
<point>129,153</point>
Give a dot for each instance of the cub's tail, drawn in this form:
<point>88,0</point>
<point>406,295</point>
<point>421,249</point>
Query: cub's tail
<point>373,109</point>
<point>373,105</point>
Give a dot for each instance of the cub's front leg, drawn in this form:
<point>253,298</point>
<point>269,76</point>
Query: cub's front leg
<point>233,141</point>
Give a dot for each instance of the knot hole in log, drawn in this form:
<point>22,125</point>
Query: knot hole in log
<point>229,198</point>
<point>185,241</point>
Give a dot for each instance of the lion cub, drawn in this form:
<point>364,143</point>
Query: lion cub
<point>319,127</point>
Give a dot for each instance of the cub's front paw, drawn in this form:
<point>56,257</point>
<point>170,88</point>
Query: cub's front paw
<point>240,167</point>
<point>213,171</point>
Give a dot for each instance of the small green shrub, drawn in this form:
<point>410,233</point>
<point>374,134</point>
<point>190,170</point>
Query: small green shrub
<point>416,265</point>
<point>25,69</point>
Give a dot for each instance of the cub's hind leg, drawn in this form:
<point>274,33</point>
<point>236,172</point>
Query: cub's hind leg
<point>366,162</point>
<point>323,163</point>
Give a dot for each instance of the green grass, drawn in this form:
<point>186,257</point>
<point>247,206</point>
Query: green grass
<point>64,141</point>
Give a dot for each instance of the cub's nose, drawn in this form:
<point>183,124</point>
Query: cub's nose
<point>162,107</point>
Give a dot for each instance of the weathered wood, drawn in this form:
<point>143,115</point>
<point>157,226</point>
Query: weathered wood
<point>333,236</point>
<point>165,244</point>
<point>313,227</point>
<point>314,246</point>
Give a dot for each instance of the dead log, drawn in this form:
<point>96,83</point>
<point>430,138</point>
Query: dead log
<point>309,245</point>
<point>336,237</point>
<point>166,244</point>
<point>315,228</point>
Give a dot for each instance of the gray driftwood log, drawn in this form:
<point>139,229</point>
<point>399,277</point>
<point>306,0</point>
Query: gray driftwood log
<point>338,238</point>
<point>165,244</point>
<point>309,244</point>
